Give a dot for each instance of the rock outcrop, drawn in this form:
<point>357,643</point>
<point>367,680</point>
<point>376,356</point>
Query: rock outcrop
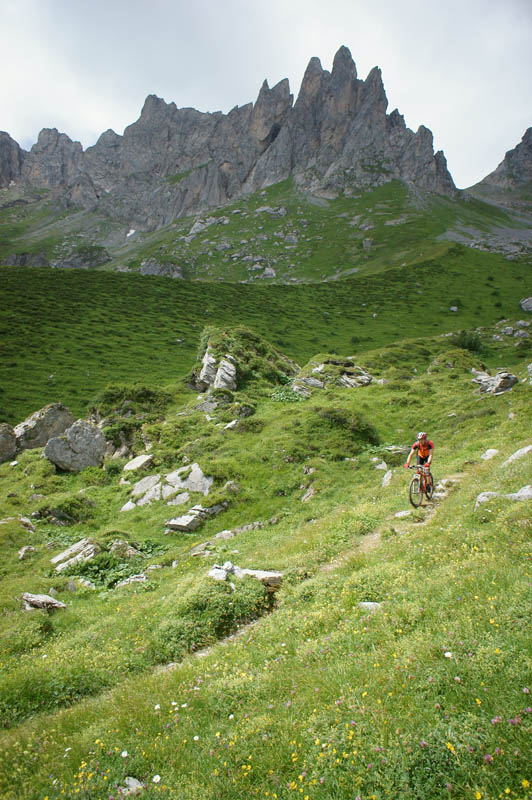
<point>37,429</point>
<point>8,442</point>
<point>82,445</point>
<point>172,162</point>
<point>515,170</point>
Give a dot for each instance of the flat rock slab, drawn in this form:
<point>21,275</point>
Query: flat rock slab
<point>43,601</point>
<point>78,553</point>
<point>271,580</point>
<point>523,451</point>
<point>138,463</point>
<point>144,485</point>
<point>188,522</point>
<point>491,453</point>
<point>190,478</point>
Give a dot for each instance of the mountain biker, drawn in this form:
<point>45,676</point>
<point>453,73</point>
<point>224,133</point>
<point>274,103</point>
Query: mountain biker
<point>424,448</point>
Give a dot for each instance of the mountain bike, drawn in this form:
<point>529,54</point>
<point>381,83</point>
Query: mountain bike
<point>421,484</point>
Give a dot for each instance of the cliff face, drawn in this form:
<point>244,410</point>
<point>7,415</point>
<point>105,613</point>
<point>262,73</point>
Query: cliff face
<point>336,137</point>
<point>515,170</point>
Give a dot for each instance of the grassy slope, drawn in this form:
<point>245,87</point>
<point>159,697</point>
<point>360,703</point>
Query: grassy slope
<point>319,695</point>
<point>66,334</point>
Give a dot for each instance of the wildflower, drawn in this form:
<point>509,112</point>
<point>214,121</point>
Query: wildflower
<point>478,795</point>
<point>525,784</point>
<point>124,754</point>
<point>196,738</point>
<point>457,679</point>
<point>423,743</point>
<point>157,706</point>
<point>488,759</point>
<point>495,720</point>
<point>526,690</point>
<point>156,778</point>
<point>448,654</point>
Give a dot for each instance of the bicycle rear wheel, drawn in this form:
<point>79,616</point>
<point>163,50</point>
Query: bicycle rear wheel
<point>414,492</point>
<point>429,487</point>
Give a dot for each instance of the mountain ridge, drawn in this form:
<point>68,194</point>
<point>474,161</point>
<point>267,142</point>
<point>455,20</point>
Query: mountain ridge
<point>336,137</point>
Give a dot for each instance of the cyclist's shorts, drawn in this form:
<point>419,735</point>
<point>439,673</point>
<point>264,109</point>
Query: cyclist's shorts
<point>421,460</point>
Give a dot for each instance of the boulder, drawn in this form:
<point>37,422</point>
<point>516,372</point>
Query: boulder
<point>484,497</point>
<point>124,549</point>
<point>179,499</point>
<point>188,522</point>
<point>491,453</point>
<point>78,553</point>
<point>271,580</point>
<point>501,382</point>
<point>8,442</point>
<point>140,578</point>
<point>526,304</point>
<point>152,495</point>
<point>82,445</point>
<point>190,478</point>
<point>138,463</point>
<point>24,552</point>
<point>226,374</point>
<point>525,493</point>
<point>129,506</point>
<point>37,429</point>
<point>208,371</point>
<point>144,485</point>
<point>43,601</point>
<point>387,478</point>
<point>523,451</point>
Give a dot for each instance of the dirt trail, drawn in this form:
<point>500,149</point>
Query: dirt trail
<point>400,524</point>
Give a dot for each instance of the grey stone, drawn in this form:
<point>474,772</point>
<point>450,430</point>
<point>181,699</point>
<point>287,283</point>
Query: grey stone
<point>188,522</point>
<point>309,494</point>
<point>208,371</point>
<point>231,425</point>
<point>124,550</point>
<point>78,553</point>
<point>525,493</point>
<point>37,429</point>
<point>138,463</point>
<point>382,465</point>
<point>484,497</point>
<point>8,442</point>
<point>152,495</point>
<point>226,374</point>
<point>144,485</point>
<point>491,453</point>
<point>387,478</point>
<point>82,445</point>
<point>179,499</point>
<point>140,578</point>
<point>190,478</point>
<point>129,506</point>
<point>368,606</point>
<point>42,601</point>
<point>24,552</point>
<point>526,304</point>
<point>523,451</point>
<point>401,514</point>
<point>497,384</point>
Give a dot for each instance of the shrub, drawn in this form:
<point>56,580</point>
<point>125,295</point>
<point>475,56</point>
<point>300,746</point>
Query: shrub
<point>468,340</point>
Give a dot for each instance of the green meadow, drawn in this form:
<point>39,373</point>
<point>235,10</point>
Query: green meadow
<point>395,659</point>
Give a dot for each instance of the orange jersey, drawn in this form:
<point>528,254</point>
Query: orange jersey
<point>424,449</point>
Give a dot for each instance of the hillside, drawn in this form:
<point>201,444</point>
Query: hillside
<point>394,659</point>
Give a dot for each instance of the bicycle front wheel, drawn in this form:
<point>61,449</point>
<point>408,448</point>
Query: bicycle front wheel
<point>415,493</point>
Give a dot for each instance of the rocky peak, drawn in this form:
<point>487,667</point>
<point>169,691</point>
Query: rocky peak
<point>55,160</point>
<point>11,158</point>
<point>335,137</point>
<point>516,168</point>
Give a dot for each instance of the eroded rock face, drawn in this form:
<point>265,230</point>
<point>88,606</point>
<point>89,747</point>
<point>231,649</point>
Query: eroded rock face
<point>37,429</point>
<point>78,553</point>
<point>173,162</point>
<point>8,442</point>
<point>501,382</point>
<point>82,445</point>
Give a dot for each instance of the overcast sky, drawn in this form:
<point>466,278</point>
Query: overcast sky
<point>463,68</point>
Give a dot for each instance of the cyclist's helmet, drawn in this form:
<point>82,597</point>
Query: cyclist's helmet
<point>421,435</point>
